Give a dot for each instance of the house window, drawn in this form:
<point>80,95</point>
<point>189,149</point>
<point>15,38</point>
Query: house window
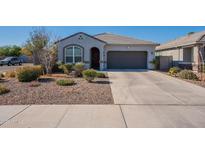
<point>73,54</point>
<point>188,54</point>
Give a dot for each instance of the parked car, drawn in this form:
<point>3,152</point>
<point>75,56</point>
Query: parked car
<point>10,61</point>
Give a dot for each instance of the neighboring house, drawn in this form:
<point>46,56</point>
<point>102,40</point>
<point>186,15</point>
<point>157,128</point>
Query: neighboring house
<point>186,52</point>
<point>106,51</point>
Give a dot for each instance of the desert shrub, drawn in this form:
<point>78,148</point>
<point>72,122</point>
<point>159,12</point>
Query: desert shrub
<point>57,68</point>
<point>10,74</point>
<point>202,68</point>
<point>37,68</point>
<point>66,82</point>
<point>3,90</point>
<point>100,75</point>
<point>174,70</point>
<point>29,73</point>
<point>89,75</point>
<point>188,74</point>
<point>79,68</point>
<point>155,62</point>
<point>67,68</point>
<point>1,76</point>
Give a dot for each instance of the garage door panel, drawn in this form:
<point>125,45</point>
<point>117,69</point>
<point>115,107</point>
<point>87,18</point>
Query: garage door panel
<point>127,60</point>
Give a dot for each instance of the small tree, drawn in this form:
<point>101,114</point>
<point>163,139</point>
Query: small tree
<point>43,49</point>
<point>37,41</point>
<point>48,58</point>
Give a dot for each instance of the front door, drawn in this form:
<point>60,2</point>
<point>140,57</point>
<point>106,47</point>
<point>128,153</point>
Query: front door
<point>95,58</point>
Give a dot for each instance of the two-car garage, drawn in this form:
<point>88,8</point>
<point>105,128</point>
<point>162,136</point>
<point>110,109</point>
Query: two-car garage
<point>127,60</point>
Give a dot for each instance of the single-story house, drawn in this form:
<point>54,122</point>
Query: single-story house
<point>106,51</point>
<point>186,52</point>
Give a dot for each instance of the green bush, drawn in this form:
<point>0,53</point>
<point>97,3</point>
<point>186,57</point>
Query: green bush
<point>89,75</point>
<point>67,68</point>
<point>29,73</point>
<point>188,74</point>
<point>57,68</point>
<point>79,68</point>
<point>3,90</point>
<point>174,70</point>
<point>155,62</point>
<point>66,82</point>
<point>100,75</point>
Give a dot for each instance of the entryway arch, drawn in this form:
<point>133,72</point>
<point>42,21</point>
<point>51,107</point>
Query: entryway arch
<point>95,58</point>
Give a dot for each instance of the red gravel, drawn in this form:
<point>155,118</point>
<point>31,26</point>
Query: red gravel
<point>82,92</point>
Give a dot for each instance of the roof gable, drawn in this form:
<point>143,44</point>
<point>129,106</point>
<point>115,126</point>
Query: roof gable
<point>78,34</point>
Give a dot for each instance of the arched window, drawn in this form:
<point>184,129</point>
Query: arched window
<point>73,54</point>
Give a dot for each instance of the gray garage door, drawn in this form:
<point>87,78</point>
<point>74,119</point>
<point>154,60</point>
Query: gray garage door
<point>127,60</point>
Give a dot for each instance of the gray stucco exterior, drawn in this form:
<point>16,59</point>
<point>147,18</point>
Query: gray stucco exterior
<point>87,42</point>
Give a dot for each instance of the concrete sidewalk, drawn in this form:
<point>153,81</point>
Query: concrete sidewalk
<point>102,116</point>
<point>62,116</point>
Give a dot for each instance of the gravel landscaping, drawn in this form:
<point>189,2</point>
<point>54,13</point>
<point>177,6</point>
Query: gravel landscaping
<point>199,83</point>
<point>48,92</point>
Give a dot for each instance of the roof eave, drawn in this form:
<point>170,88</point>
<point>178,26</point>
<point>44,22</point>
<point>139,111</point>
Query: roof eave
<point>179,46</point>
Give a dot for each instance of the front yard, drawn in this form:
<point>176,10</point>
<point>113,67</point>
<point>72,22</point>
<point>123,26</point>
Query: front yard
<point>48,92</point>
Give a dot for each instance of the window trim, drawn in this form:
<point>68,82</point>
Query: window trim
<point>73,53</point>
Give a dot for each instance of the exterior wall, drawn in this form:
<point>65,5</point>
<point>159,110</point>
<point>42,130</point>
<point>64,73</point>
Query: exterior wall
<point>149,48</point>
<point>84,41</point>
<point>177,55</point>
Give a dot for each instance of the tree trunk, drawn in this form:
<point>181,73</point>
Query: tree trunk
<point>36,60</point>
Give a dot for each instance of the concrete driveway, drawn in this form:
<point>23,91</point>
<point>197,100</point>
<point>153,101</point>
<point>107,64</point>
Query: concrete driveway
<point>150,87</point>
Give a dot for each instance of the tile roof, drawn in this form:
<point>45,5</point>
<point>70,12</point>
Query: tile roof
<point>119,39</point>
<point>182,41</point>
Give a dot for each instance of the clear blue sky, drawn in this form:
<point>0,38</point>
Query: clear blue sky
<point>14,35</point>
